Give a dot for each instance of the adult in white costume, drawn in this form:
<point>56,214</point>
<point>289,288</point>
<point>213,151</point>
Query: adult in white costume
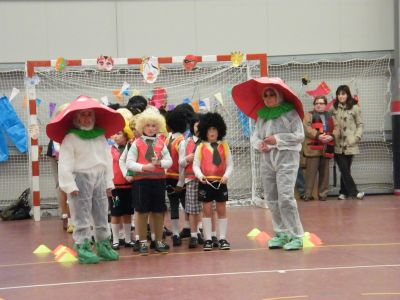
<point>278,136</point>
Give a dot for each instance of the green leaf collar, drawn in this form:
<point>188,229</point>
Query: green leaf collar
<point>87,134</point>
<point>270,113</point>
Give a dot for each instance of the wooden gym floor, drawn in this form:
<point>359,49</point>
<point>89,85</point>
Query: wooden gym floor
<point>359,259</point>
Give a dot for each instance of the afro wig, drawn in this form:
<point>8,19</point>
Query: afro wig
<point>211,120</point>
<point>137,104</point>
<point>177,120</point>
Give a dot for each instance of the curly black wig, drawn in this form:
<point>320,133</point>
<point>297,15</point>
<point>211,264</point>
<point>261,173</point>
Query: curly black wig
<point>137,104</point>
<point>177,120</point>
<point>212,120</point>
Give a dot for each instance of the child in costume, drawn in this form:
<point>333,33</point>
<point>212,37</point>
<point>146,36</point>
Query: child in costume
<point>193,206</point>
<point>213,165</point>
<point>148,157</point>
<point>121,201</point>
<point>278,136</point>
<point>85,171</point>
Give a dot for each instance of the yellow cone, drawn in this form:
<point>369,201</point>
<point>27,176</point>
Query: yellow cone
<point>253,233</point>
<point>66,257</point>
<point>59,249</point>
<point>42,249</point>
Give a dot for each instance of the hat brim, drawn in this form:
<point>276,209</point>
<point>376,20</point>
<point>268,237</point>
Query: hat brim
<point>109,120</point>
<point>247,95</point>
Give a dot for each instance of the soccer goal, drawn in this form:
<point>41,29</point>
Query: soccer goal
<point>207,87</point>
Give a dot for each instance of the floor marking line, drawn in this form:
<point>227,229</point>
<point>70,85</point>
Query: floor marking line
<point>192,276</point>
<point>288,297</point>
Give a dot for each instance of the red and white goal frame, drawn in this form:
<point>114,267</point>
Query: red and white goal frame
<point>32,65</point>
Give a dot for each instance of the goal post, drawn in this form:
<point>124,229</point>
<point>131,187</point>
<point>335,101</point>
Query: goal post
<point>212,79</point>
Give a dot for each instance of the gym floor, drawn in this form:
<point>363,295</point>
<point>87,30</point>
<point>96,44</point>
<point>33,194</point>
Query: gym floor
<point>359,259</point>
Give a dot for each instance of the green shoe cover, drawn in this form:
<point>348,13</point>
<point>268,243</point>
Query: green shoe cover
<point>105,251</point>
<point>85,253</point>
<point>278,241</point>
<point>295,243</point>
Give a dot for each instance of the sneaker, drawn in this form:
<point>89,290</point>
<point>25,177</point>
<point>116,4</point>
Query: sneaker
<point>360,195</point>
<point>129,244</point>
<point>215,242</point>
<point>167,231</point>
<point>208,245</point>
<point>136,246</point>
<point>143,249</point>
<point>278,241</point>
<point>224,245</point>
<point>185,233</point>
<point>105,251</point>
<point>86,254</point>
<point>70,228</point>
<point>115,246</point>
<point>200,239</point>
<point>342,197</point>
<point>161,247</point>
<point>153,245</point>
<point>193,242</point>
<point>176,240</point>
<point>295,243</point>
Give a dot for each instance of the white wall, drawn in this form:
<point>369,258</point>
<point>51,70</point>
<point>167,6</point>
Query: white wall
<point>86,29</point>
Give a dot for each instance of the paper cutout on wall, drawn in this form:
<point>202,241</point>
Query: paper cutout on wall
<point>321,90</point>
<point>150,69</point>
<point>189,62</point>
<point>105,63</point>
<point>236,58</point>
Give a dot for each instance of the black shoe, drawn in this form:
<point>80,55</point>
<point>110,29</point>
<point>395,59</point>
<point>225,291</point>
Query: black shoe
<point>115,246</point>
<point>167,231</point>
<point>193,242</point>
<point>144,249</point>
<point>224,245</point>
<point>153,245</point>
<point>215,242</point>
<point>208,245</point>
<point>161,247</point>
<point>130,244</point>
<point>122,242</point>
<point>185,233</point>
<point>200,239</point>
<point>136,246</point>
<point>132,228</point>
<point>176,240</point>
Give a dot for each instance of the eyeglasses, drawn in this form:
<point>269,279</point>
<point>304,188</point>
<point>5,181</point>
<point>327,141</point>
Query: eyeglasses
<point>319,103</point>
<point>269,95</point>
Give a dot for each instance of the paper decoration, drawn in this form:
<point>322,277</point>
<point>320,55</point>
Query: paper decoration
<point>52,108</point>
<point>305,80</point>
<point>104,63</point>
<point>60,64</point>
<point>42,249</point>
<point>135,92</point>
<point>150,69</point>
<point>189,62</point>
<point>170,107</point>
<point>119,94</point>
<point>159,97</point>
<point>31,81</point>
<point>195,105</point>
<point>207,103</point>
<point>38,101</point>
<point>104,100</point>
<point>14,93</point>
<point>236,58</point>
<point>218,97</point>
<point>186,101</point>
<point>321,90</point>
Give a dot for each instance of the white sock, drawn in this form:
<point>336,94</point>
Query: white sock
<point>133,221</point>
<point>207,228</point>
<point>69,221</point>
<point>136,237</point>
<point>193,234</point>
<point>115,232</point>
<point>153,236</point>
<point>127,229</point>
<point>222,226</point>
<point>175,226</point>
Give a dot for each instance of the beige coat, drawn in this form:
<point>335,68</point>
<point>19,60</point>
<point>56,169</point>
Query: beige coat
<point>350,127</point>
<point>312,134</point>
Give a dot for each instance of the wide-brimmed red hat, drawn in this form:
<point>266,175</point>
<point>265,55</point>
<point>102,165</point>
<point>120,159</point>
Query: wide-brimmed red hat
<point>247,95</point>
<point>108,119</point>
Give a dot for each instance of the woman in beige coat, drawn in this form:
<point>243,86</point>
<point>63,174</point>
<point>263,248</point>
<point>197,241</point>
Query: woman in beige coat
<point>347,114</point>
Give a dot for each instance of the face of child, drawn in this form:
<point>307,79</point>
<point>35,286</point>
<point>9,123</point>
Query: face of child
<point>86,119</point>
<point>270,98</point>
<point>342,97</point>
<point>120,138</point>
<point>212,134</point>
<point>150,129</point>
<point>196,129</point>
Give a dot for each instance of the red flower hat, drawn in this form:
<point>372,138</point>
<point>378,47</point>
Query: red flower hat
<point>108,119</point>
<point>247,95</point>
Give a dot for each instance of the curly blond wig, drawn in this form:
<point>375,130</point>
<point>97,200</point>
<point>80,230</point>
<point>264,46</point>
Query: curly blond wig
<point>150,116</point>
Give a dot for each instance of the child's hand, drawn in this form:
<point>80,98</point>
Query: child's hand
<point>149,167</point>
<point>224,180</point>
<point>263,147</point>
<point>189,158</point>
<point>202,180</point>
<point>108,192</point>
<point>74,193</point>
<point>155,161</point>
<point>129,178</point>
<point>270,140</point>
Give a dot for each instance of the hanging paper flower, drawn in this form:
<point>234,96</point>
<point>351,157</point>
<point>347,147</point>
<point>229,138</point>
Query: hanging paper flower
<point>236,58</point>
<point>150,69</point>
<point>60,64</point>
<point>189,62</point>
<point>105,63</point>
<point>305,80</point>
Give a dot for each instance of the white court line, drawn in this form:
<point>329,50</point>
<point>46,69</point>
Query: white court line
<point>193,276</point>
